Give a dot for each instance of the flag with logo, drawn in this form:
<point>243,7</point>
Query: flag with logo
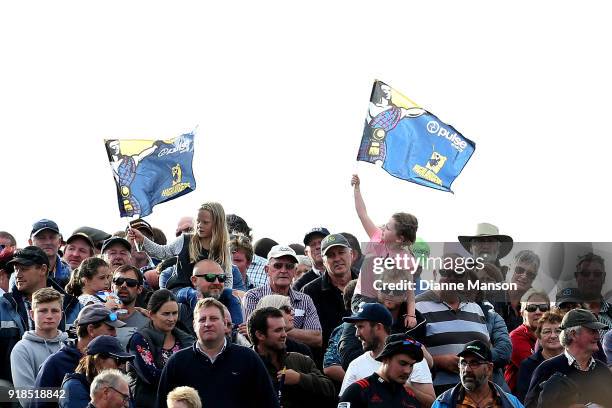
<point>411,143</point>
<point>149,172</point>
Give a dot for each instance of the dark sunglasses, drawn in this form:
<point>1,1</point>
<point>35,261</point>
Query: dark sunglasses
<point>522,271</point>
<point>288,266</point>
<point>131,283</point>
<point>532,307</point>
<point>594,274</point>
<point>210,277</point>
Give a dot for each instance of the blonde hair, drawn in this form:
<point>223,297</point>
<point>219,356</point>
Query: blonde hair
<point>274,300</point>
<point>219,242</point>
<point>46,295</point>
<point>187,395</point>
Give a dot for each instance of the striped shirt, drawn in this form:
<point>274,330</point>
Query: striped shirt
<point>256,272</point>
<point>305,313</point>
<point>448,330</point>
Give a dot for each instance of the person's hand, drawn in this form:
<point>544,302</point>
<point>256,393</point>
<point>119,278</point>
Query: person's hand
<point>292,377</point>
<point>242,329</point>
<point>410,321</point>
<point>355,182</point>
<point>133,235</point>
<point>448,362</point>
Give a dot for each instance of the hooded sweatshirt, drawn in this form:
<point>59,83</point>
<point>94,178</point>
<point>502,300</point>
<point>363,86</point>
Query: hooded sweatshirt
<point>28,355</point>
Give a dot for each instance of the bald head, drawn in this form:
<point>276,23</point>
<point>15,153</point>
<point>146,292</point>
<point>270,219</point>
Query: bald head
<point>208,278</point>
<point>207,266</point>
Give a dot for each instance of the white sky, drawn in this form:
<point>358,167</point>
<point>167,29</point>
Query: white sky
<point>280,90</point>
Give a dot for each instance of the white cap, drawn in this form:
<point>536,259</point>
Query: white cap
<point>278,251</point>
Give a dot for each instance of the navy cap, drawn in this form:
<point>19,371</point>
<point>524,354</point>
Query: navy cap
<point>572,295</point>
<point>116,240</point>
<point>479,349</point>
<point>96,313</point>
<point>401,344</point>
<point>80,235</point>
<point>372,312</point>
<point>333,240</point>
<point>30,255</point>
<point>42,225</point>
<point>108,345</point>
<point>321,231</point>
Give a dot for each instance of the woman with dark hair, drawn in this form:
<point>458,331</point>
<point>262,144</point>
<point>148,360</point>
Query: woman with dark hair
<point>103,352</point>
<point>90,282</point>
<point>153,345</point>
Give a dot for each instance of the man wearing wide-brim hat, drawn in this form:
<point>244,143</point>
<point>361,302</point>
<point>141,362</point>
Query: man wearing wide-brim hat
<point>579,338</point>
<point>488,244</point>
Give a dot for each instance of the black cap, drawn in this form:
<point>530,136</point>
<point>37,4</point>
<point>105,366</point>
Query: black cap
<point>572,295</point>
<point>80,235</point>
<point>96,313</point>
<point>479,349</point>
<point>333,240</point>
<point>581,317</point>
<point>42,225</point>
<point>321,231</point>
<point>372,312</point>
<point>95,234</point>
<point>401,344</point>
<point>116,240</point>
<point>108,345</point>
<point>30,255</point>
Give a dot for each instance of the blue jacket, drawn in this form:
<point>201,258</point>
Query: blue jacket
<point>14,322</point>
<point>54,368</point>
<point>449,398</point>
<point>189,296</point>
<point>77,391</point>
<point>502,346</point>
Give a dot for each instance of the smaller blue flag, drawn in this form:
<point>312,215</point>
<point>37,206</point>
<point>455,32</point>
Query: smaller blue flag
<point>149,172</point>
<point>411,143</point>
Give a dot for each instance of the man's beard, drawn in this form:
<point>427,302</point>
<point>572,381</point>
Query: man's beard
<point>215,295</point>
<point>473,383</point>
<point>371,345</point>
<point>127,299</point>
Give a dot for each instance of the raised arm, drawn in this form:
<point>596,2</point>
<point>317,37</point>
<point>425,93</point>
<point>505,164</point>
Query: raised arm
<point>360,207</point>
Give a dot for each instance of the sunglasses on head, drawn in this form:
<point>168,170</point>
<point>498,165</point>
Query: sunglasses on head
<point>210,277</point>
<point>532,307</point>
<point>131,283</point>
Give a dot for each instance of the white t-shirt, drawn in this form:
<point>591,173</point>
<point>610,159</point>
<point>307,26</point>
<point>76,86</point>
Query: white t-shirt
<point>365,365</point>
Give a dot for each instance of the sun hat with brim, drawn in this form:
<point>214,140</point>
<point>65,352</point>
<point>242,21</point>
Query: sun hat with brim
<point>484,230</point>
<point>108,345</point>
<point>401,344</point>
<point>583,318</point>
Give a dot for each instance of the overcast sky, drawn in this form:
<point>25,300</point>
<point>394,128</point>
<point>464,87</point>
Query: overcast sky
<point>279,91</point>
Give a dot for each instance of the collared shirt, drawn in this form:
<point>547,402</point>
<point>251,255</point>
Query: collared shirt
<point>256,272</point>
<point>213,358</point>
<point>305,317</point>
<point>571,361</point>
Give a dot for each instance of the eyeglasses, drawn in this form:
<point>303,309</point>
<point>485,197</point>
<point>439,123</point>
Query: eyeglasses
<point>594,274</point>
<point>286,309</point>
<point>210,277</point>
<point>125,397</point>
<point>542,307</point>
<point>473,364</point>
<point>131,283</point>
<point>288,266</point>
<point>522,271</point>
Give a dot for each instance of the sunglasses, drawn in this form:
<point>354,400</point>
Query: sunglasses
<point>522,271</point>
<point>279,265</point>
<point>542,307</point>
<point>210,277</point>
<point>131,283</point>
<point>594,274</point>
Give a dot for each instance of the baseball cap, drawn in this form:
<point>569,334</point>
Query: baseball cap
<point>581,317</point>
<point>98,313</point>
<point>322,231</point>
<point>400,343</point>
<point>333,240</point>
<point>479,349</point>
<point>42,225</point>
<point>95,234</point>
<point>278,251</point>
<point>116,240</point>
<point>80,235</point>
<point>108,345</point>
<point>372,312</point>
<point>30,255</point>
<point>568,295</point>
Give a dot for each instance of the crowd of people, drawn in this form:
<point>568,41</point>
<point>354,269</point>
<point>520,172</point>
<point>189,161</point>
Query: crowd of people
<point>214,318</point>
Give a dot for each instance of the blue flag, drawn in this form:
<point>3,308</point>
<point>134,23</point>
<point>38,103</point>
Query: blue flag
<point>149,172</point>
<point>411,143</point>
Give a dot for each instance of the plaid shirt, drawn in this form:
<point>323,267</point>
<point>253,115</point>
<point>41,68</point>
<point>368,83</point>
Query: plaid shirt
<point>605,317</point>
<point>256,272</point>
<point>306,316</point>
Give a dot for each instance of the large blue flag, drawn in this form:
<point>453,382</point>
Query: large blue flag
<point>149,172</point>
<point>411,143</point>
